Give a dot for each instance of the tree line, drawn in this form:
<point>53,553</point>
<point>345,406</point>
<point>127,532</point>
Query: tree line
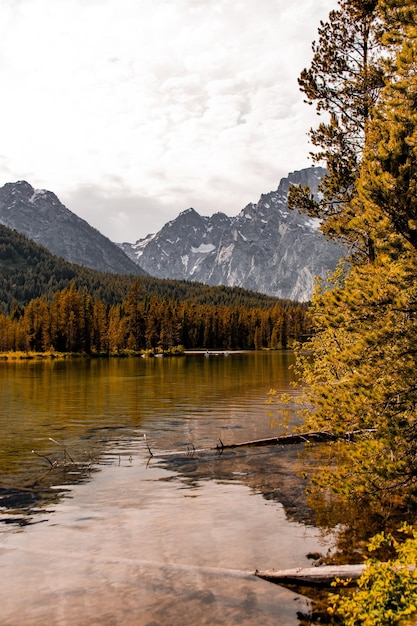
<point>364,77</point>
<point>362,377</point>
<point>75,321</point>
<point>28,271</point>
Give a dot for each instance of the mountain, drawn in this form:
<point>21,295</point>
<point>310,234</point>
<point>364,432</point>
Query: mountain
<point>39,215</point>
<point>266,247</point>
<point>28,270</point>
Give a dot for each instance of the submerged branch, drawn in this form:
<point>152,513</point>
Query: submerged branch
<point>284,440</point>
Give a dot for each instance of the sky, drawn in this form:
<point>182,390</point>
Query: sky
<point>132,111</point>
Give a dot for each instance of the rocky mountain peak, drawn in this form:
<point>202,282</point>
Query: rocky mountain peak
<point>40,215</point>
<point>311,177</point>
<point>16,192</point>
<point>20,187</point>
<point>186,218</point>
<point>266,247</point>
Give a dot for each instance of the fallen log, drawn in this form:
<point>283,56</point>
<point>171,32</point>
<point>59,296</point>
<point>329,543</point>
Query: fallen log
<point>297,438</point>
<point>283,440</point>
<point>320,576</point>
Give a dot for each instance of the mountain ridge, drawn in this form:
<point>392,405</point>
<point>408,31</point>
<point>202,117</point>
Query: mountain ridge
<point>266,247</point>
<point>29,270</point>
<point>39,214</point>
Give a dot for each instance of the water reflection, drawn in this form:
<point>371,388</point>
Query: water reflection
<point>127,539</point>
<point>271,472</point>
<point>81,404</point>
<point>138,545</point>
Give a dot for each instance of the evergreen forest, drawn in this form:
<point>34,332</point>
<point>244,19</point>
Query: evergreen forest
<point>48,304</point>
<point>358,353</point>
<point>362,378</point>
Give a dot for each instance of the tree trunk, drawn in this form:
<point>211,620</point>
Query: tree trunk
<point>321,576</point>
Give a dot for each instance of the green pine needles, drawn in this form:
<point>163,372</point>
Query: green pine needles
<point>360,364</point>
<point>363,374</point>
<point>387,591</point>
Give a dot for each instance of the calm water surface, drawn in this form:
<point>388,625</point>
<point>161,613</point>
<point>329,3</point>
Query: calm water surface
<point>94,530</point>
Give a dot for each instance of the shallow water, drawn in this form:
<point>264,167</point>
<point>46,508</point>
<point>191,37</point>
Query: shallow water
<point>123,537</point>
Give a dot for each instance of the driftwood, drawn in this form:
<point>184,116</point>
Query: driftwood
<point>285,440</point>
<point>320,576</point>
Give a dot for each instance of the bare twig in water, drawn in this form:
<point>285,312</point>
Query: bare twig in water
<point>191,451</point>
<point>147,445</point>
<point>66,454</point>
<point>43,456</point>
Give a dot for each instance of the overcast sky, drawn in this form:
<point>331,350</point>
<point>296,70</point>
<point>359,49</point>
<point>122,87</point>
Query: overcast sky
<point>133,110</point>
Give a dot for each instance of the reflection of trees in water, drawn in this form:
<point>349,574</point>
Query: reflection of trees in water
<point>33,489</point>
<point>273,472</point>
<point>283,475</point>
<point>277,473</point>
<point>354,520</point>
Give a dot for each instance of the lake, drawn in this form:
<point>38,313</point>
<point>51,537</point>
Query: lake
<point>116,507</point>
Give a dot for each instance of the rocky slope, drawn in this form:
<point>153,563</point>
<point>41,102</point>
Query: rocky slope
<point>266,247</point>
<point>39,215</point>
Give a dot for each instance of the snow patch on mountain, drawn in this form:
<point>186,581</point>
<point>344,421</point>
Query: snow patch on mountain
<point>203,248</point>
<point>266,247</point>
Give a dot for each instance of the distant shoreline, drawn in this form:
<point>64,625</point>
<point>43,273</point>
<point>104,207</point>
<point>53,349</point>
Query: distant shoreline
<point>35,356</point>
<point>217,352</point>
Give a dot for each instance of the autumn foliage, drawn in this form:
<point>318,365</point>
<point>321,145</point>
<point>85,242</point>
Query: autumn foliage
<point>74,321</point>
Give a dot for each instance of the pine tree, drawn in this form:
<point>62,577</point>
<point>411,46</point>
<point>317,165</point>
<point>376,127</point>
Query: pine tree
<point>389,176</point>
<point>362,376</point>
<point>343,81</point>
<point>116,332</point>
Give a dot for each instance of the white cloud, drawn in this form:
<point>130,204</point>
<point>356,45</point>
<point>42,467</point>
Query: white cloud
<point>162,104</point>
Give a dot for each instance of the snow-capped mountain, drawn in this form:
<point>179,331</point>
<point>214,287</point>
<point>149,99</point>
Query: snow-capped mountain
<point>39,215</point>
<point>266,247</point>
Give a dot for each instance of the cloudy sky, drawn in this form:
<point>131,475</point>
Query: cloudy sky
<point>133,110</point>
